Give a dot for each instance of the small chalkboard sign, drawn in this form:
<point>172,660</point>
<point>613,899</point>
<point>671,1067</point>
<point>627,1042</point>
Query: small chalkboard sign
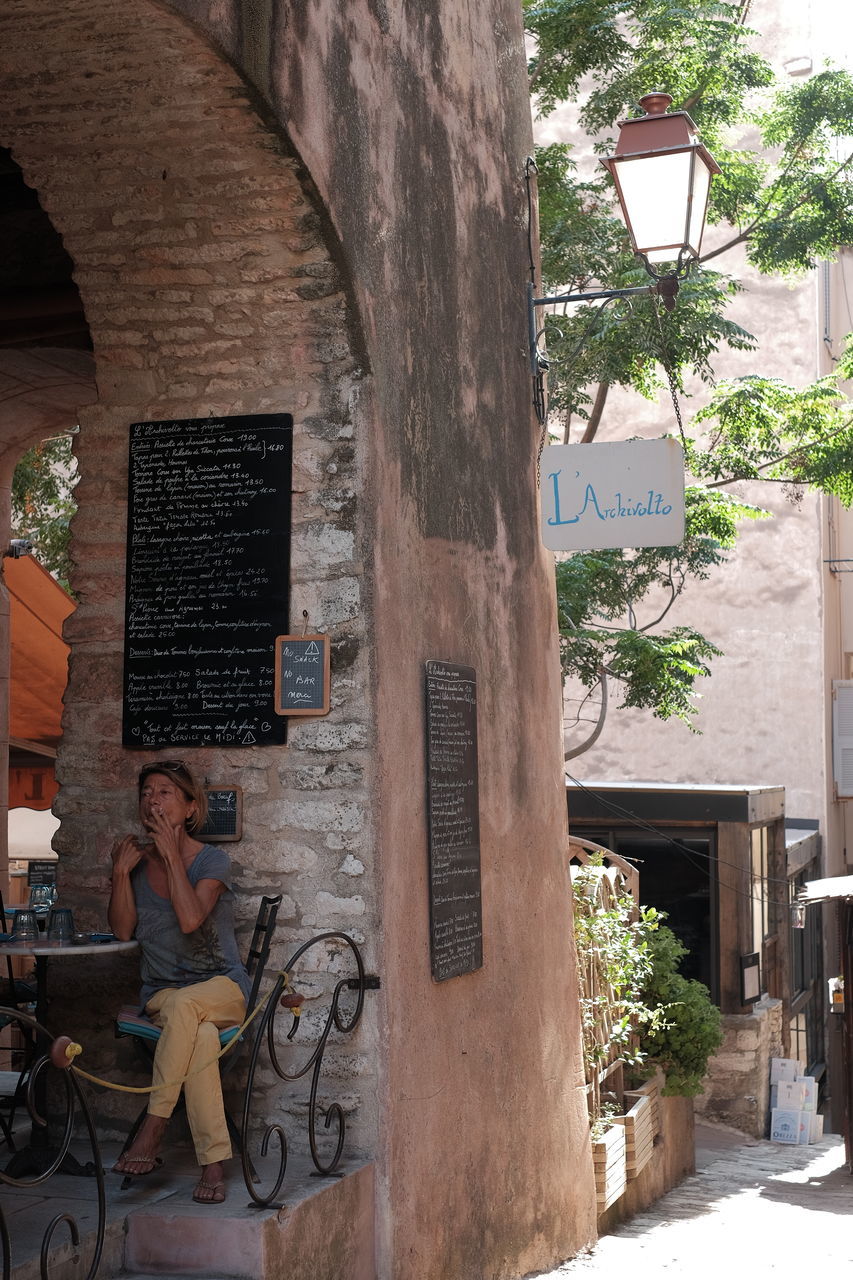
<point>302,675</point>
<point>224,819</point>
<point>41,872</point>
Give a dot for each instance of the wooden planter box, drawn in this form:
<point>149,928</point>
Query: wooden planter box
<point>608,1158</point>
<point>651,1090</point>
<point>639,1129</point>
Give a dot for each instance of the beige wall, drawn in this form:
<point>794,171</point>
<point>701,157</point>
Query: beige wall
<point>761,713</point>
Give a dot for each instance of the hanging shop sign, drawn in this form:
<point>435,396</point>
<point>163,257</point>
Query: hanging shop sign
<point>302,675</point>
<point>625,494</point>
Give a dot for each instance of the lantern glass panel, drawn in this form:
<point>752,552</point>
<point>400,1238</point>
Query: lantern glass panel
<point>699,204</point>
<point>654,192</point>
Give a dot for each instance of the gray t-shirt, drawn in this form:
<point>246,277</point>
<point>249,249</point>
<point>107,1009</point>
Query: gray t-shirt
<point>171,958</point>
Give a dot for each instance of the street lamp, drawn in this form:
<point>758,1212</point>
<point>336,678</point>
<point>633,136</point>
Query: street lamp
<point>662,174</point>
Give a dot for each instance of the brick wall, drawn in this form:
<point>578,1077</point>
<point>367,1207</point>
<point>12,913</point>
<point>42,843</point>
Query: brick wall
<point>209,288</point>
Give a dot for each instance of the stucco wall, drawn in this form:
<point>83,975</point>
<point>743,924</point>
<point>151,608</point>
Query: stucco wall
<point>412,121</point>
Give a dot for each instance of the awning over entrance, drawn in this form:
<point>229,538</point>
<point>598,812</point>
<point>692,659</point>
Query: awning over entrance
<point>39,669</point>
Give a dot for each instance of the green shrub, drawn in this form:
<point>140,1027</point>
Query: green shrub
<point>690,1031</point>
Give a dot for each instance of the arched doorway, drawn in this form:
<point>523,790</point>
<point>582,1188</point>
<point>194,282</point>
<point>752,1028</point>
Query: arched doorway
<point>208,277</point>
<point>46,375</point>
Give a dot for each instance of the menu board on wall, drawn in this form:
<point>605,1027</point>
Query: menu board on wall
<point>453,815</point>
<point>208,568</point>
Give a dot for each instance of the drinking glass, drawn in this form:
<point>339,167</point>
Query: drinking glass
<point>60,925</point>
<point>25,926</point>
<point>41,896</point>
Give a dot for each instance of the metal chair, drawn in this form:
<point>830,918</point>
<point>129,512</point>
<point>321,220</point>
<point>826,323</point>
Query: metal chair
<point>14,994</point>
<point>146,1034</point>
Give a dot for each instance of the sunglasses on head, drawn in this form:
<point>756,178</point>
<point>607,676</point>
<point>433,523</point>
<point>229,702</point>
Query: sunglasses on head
<point>174,766</point>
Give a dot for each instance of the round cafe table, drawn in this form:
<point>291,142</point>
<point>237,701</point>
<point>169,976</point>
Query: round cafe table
<point>36,1157</point>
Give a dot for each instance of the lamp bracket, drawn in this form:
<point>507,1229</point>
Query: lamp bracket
<point>664,287</point>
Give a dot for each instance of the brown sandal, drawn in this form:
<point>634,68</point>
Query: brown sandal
<point>216,1189</point>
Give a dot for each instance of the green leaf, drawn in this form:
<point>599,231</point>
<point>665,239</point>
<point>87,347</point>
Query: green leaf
<point>43,503</point>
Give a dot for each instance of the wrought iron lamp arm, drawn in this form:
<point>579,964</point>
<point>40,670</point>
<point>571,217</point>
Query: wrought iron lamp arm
<point>537,359</point>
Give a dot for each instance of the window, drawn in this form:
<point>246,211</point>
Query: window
<point>758,891</point>
<point>807,980</point>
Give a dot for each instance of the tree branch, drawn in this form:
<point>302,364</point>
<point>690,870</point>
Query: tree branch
<point>786,213</point>
<point>774,462</point>
<point>597,411</point>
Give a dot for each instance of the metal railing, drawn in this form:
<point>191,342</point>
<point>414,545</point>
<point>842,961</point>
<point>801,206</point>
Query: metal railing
<point>43,1156</point>
<point>47,1154</point>
<point>265,1037</point>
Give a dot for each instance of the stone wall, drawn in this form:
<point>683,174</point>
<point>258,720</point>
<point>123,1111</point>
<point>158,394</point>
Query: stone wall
<point>210,288</point>
<point>737,1086</point>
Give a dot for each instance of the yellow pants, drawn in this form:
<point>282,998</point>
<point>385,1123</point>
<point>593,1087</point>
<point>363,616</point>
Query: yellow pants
<point>191,1018</point>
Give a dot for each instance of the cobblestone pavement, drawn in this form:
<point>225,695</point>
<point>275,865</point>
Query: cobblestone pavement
<point>756,1210</point>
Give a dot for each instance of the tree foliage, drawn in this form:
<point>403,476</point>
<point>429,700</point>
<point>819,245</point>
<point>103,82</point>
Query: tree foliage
<point>43,503</point>
<point>787,197</point>
<point>689,1030</point>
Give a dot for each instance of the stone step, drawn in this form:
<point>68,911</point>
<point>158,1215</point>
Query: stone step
<point>322,1229</point>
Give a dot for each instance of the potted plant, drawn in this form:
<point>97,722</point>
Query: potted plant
<point>612,938</point>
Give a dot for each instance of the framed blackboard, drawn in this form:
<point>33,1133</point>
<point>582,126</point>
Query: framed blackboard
<point>208,567</point>
<point>224,819</point>
<point>41,873</point>
<point>302,675</point>
<point>453,816</point>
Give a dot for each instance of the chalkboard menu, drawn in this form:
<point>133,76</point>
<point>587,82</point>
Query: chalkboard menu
<point>302,675</point>
<point>41,873</point>
<point>224,820</point>
<point>208,560</point>
<point>456,922</point>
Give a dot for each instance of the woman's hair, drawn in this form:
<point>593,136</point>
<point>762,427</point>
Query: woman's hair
<point>179,773</point>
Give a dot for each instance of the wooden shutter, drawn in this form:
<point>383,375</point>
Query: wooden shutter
<point>842,736</point>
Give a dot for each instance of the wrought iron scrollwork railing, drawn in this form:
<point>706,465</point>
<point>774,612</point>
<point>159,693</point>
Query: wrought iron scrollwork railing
<point>35,1164</point>
<point>46,1155</point>
<point>359,982</point>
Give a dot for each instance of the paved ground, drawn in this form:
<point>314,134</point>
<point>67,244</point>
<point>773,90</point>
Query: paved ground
<point>28,1211</point>
<point>752,1210</point>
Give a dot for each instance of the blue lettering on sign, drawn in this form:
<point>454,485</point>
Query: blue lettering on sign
<point>617,508</point>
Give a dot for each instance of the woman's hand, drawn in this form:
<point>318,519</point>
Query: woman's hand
<point>168,837</point>
<point>127,854</point>
<point>121,913</point>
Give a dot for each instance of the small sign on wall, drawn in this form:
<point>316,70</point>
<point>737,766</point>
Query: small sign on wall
<point>302,675</point>
<point>625,494</point>
<point>224,819</point>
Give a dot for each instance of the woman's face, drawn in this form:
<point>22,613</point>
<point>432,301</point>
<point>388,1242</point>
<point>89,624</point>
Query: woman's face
<point>160,795</point>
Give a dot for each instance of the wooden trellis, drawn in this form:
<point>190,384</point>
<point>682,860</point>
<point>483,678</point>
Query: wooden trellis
<point>608,878</point>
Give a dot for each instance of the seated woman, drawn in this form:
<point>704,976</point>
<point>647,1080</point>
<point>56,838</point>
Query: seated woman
<point>173,894</point>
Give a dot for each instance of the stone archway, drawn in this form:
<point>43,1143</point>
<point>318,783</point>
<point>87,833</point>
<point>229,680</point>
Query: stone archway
<point>41,393</point>
<point>209,288</point>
